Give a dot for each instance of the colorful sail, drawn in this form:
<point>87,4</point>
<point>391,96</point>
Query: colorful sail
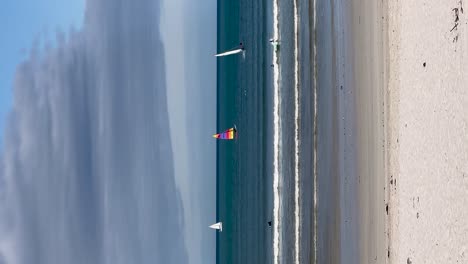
<point>228,134</point>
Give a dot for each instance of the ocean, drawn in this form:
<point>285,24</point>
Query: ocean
<point>267,173</point>
<point>243,183</point>
<point>244,201</point>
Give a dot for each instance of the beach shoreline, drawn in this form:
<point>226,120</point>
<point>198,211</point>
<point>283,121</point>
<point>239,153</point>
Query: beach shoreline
<point>351,64</point>
<point>368,85</point>
<point>389,128</point>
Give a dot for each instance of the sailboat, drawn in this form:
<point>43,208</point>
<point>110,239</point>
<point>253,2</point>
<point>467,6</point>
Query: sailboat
<point>217,226</point>
<point>228,134</point>
<point>238,49</point>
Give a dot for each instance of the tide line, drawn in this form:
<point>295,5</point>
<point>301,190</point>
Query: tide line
<point>276,142</point>
<point>314,34</point>
<point>297,140</point>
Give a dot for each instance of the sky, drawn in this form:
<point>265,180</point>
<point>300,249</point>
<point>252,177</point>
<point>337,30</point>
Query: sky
<point>24,22</point>
<point>107,154</point>
<point>188,31</point>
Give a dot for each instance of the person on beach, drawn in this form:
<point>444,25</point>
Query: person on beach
<point>274,42</point>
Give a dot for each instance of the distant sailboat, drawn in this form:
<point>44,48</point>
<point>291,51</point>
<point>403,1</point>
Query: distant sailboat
<point>229,134</point>
<point>236,50</point>
<point>217,226</point>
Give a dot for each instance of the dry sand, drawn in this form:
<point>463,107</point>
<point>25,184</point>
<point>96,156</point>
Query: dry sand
<point>427,125</point>
<point>395,104</point>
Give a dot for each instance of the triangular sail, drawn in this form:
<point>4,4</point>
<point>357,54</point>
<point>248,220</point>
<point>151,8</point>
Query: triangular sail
<point>231,52</point>
<point>217,226</point>
<point>228,134</point>
<point>236,50</point>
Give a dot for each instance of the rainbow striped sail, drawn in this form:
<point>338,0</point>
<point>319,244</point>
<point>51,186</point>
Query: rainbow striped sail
<point>228,134</point>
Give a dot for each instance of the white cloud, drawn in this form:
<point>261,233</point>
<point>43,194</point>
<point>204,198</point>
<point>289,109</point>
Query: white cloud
<point>87,161</point>
<point>189,33</point>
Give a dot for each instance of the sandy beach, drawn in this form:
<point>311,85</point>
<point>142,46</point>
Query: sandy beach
<point>392,140</point>
<point>427,136</point>
<point>351,87</point>
<point>368,69</point>
<point>365,104</point>
<point>393,94</point>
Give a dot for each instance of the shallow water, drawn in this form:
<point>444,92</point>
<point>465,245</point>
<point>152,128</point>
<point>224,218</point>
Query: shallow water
<point>260,103</point>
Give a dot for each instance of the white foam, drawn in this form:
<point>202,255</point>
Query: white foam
<point>314,8</point>
<point>277,238</point>
<point>297,141</point>
<point>276,142</point>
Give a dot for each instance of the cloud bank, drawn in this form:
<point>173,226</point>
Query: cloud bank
<point>86,171</point>
<point>189,33</point>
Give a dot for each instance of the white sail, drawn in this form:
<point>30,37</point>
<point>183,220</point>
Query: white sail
<point>230,52</point>
<point>217,226</point>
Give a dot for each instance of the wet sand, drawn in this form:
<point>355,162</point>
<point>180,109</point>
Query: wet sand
<point>368,35</point>
<point>428,132</point>
<point>351,61</point>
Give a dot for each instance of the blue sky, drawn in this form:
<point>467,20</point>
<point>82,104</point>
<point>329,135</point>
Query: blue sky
<point>97,164</point>
<point>23,22</point>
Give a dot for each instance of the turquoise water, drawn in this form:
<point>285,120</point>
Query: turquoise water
<point>243,184</point>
